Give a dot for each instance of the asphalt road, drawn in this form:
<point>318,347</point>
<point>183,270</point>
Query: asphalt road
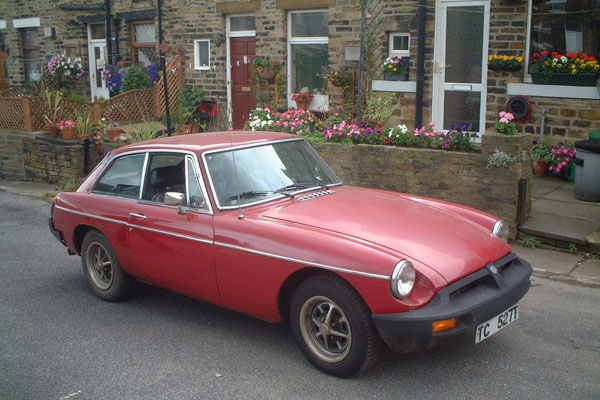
<point>58,341</point>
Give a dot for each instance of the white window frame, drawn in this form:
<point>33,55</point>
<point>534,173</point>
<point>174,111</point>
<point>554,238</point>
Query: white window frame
<point>231,33</point>
<point>401,53</point>
<point>320,102</point>
<point>197,65</point>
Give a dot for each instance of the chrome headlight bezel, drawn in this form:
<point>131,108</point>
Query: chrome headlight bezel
<point>501,230</point>
<point>403,279</point>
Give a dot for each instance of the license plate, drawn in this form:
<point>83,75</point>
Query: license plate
<point>493,325</point>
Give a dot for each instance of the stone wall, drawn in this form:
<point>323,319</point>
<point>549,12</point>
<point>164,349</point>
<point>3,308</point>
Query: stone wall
<point>456,177</point>
<point>39,157</point>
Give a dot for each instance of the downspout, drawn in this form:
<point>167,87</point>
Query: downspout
<point>108,32</point>
<point>163,67</point>
<point>420,65</point>
<point>117,56</point>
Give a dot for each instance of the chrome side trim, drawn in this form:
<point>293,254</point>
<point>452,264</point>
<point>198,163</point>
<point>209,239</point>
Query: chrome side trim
<point>193,238</point>
<point>308,263</point>
<point>230,246</point>
<point>133,226</point>
<point>116,221</point>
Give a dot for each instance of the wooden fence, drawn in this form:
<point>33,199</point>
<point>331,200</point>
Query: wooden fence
<point>20,112</point>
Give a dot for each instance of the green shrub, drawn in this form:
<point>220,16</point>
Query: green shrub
<point>135,77</point>
<point>189,98</point>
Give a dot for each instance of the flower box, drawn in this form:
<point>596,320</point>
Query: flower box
<point>564,79</point>
<point>505,68</point>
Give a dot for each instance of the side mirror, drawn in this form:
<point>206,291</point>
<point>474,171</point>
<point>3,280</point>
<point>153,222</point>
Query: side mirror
<point>174,199</point>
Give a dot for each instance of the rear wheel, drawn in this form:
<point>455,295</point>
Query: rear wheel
<point>102,269</point>
<point>333,326</point>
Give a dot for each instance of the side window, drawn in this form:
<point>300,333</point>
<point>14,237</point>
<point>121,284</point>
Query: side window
<point>122,178</point>
<point>197,199</point>
<point>165,174</point>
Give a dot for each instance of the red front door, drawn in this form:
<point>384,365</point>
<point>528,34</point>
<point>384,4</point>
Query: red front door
<point>243,50</point>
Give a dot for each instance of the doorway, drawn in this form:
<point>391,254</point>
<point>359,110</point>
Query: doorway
<point>242,49</point>
<point>460,63</point>
<point>97,57</point>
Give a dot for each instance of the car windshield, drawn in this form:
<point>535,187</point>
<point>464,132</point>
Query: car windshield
<point>263,172</point>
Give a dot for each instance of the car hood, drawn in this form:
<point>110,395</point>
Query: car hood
<point>448,243</point>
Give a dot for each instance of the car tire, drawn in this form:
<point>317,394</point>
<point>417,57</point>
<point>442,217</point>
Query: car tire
<point>102,269</point>
<point>333,327</point>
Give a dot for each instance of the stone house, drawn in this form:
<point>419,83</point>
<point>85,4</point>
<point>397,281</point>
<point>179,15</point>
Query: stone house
<point>448,42</point>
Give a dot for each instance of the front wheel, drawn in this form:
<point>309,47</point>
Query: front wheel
<point>333,326</point>
<point>102,269</point>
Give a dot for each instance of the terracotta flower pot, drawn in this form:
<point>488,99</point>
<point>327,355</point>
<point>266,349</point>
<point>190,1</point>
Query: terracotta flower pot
<point>99,145</point>
<point>54,130</point>
<point>540,168</point>
<point>302,105</point>
<point>83,137</point>
<point>68,132</point>
<point>113,133</point>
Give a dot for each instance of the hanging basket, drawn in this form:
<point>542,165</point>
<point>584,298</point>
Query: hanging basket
<point>267,74</point>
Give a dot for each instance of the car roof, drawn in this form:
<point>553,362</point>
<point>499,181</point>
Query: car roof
<point>201,142</point>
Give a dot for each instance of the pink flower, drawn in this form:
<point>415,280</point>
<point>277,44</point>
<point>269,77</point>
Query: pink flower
<point>431,123</point>
<point>551,168</point>
<point>502,114</point>
<point>231,128</point>
<point>504,120</point>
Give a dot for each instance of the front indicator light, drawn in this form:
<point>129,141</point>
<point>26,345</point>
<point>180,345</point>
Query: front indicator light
<point>444,325</point>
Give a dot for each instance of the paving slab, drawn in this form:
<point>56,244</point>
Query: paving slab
<point>567,194</point>
<point>543,186</point>
<point>586,211</point>
<point>547,261</point>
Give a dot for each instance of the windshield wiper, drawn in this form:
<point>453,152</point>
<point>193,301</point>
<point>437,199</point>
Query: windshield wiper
<point>247,195</point>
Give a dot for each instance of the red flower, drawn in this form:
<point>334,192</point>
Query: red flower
<point>388,140</point>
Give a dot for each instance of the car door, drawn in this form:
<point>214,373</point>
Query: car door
<point>174,243</point>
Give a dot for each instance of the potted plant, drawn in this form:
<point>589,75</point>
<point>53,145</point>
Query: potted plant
<point>53,101</point>
<point>505,63</point>
<point>264,68</point>
<point>541,154</point>
<point>572,69</point>
<point>396,68</point>
<point>67,128</point>
<point>84,126</point>
<point>505,124</point>
<point>303,99</point>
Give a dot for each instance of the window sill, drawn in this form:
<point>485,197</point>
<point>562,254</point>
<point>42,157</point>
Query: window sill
<point>394,86</point>
<point>559,91</point>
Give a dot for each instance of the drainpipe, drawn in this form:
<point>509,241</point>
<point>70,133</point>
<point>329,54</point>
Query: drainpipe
<point>108,33</point>
<point>542,123</point>
<point>361,68</point>
<point>420,65</point>
<point>163,67</point>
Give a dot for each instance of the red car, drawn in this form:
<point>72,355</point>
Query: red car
<point>257,222</point>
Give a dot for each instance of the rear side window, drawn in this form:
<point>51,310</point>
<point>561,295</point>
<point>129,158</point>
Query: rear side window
<point>123,177</point>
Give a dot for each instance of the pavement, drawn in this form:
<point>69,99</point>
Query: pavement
<point>576,267</point>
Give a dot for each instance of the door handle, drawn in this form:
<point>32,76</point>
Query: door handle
<point>140,216</point>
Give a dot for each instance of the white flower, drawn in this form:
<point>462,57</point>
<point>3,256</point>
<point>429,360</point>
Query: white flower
<point>563,59</point>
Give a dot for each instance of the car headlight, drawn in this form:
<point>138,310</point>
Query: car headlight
<point>403,279</point>
<point>501,230</point>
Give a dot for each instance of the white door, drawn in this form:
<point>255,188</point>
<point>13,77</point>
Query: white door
<point>97,57</point>
<point>460,63</point>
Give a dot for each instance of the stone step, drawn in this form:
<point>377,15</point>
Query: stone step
<point>563,231</point>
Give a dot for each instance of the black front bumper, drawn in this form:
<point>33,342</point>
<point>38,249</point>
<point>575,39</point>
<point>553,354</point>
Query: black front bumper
<point>56,233</point>
<point>472,300</point>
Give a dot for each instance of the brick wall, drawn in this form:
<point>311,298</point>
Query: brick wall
<point>456,177</point>
<point>38,157</point>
